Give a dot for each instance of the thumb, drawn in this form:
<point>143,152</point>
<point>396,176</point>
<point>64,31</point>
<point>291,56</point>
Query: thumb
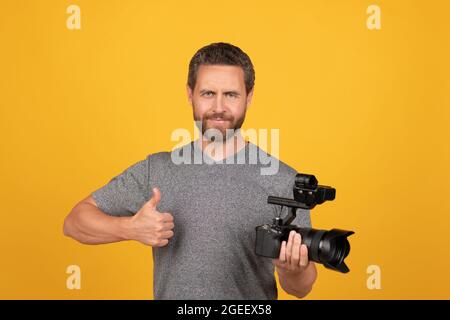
<point>153,202</point>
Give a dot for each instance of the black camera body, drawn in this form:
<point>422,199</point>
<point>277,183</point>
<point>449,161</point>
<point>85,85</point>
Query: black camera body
<point>329,248</point>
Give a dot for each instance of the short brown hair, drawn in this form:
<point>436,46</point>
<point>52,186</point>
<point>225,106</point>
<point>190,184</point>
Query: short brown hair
<point>221,53</point>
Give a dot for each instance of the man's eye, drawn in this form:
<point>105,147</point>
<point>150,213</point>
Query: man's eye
<point>208,94</point>
<point>232,95</point>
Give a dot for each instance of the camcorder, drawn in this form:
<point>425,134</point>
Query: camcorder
<point>329,248</point>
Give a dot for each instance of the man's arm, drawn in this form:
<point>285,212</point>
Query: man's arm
<point>299,285</point>
<point>87,224</point>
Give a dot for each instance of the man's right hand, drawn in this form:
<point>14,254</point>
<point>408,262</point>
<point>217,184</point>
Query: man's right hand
<point>149,226</point>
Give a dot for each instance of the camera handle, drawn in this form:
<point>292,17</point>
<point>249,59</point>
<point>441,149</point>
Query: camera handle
<point>284,202</point>
<point>281,222</point>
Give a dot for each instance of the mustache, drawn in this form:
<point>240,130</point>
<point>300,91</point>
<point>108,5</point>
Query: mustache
<point>220,116</point>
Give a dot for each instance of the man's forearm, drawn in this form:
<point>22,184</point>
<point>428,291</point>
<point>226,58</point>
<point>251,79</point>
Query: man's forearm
<point>298,284</point>
<point>89,225</point>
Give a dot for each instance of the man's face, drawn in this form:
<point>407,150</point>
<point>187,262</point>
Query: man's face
<point>219,98</point>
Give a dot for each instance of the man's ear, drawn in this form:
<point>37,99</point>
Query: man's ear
<point>249,97</point>
<point>189,93</point>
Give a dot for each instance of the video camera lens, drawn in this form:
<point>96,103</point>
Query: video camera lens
<point>327,247</point>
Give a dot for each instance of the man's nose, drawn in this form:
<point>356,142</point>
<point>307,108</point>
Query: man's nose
<point>219,103</point>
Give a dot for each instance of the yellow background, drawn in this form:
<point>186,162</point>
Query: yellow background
<point>365,111</point>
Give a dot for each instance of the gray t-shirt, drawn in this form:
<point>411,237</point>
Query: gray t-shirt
<point>216,208</point>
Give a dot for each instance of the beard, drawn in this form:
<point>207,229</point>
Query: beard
<point>218,131</point>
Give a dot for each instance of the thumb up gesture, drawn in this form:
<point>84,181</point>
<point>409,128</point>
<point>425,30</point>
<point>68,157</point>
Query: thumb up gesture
<point>149,226</point>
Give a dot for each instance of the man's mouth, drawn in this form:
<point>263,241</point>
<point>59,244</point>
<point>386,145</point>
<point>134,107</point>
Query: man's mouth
<point>218,119</point>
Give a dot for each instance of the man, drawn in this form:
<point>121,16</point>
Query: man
<point>200,218</point>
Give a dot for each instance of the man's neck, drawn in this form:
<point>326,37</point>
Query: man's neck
<point>221,150</point>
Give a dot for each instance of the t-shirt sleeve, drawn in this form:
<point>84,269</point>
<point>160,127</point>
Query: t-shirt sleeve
<point>126,193</point>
